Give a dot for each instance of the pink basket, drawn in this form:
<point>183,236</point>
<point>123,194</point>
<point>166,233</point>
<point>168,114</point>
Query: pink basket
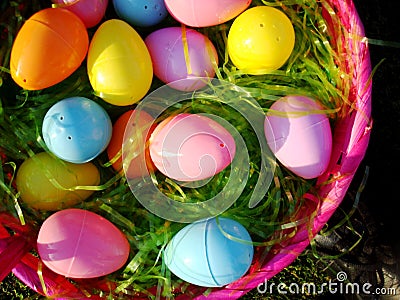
<point>350,141</point>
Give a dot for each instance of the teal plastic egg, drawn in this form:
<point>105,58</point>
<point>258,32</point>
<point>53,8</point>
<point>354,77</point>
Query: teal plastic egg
<point>202,254</point>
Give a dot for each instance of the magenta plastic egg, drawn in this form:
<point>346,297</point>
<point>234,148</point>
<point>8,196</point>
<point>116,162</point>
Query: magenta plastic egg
<point>299,134</point>
<point>203,254</point>
<point>190,147</point>
<point>77,243</point>
<point>91,12</point>
<point>182,54</point>
<point>204,13</point>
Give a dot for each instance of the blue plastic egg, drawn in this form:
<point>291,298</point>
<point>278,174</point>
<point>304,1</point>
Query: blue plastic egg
<point>76,129</point>
<point>202,254</point>
<point>142,13</point>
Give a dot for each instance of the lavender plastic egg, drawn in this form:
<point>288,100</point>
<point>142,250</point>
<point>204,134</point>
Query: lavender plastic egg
<point>299,134</point>
<point>202,254</point>
<point>76,129</point>
<point>184,55</point>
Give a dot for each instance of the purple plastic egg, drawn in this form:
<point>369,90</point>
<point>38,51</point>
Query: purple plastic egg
<point>182,54</point>
<point>299,134</point>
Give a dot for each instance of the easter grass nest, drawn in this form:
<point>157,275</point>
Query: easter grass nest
<point>330,62</point>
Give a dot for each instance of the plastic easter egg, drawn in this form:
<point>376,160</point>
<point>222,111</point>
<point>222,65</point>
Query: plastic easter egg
<point>142,13</point>
<point>191,147</point>
<point>260,40</point>
<point>135,130</point>
<point>47,183</point>
<point>202,254</point>
<point>91,12</point>
<point>49,47</point>
<point>183,55</point>
<point>204,13</point>
<point>299,134</point>
<point>76,129</point>
<point>119,65</point>
<point>77,243</point>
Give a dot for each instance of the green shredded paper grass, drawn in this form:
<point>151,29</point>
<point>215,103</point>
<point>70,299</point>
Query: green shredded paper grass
<point>314,69</point>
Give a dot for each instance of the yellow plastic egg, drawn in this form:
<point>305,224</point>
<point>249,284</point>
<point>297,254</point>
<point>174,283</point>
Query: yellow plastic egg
<point>260,40</point>
<point>43,182</point>
<point>119,65</point>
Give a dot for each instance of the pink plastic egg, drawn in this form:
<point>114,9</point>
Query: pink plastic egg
<point>182,54</point>
<point>190,147</point>
<point>299,134</point>
<point>91,12</point>
<point>77,243</point>
<point>203,13</point>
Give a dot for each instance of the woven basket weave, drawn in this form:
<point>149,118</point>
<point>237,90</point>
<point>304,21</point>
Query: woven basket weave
<point>350,140</point>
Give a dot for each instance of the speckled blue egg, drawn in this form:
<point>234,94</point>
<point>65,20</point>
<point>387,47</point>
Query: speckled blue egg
<point>142,13</point>
<point>202,254</point>
<point>76,129</point>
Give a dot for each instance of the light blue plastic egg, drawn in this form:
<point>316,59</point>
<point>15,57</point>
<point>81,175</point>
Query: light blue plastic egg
<point>76,129</point>
<point>142,13</point>
<point>202,254</point>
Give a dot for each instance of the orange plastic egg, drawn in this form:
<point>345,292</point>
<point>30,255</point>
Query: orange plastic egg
<point>49,47</point>
<point>138,124</point>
